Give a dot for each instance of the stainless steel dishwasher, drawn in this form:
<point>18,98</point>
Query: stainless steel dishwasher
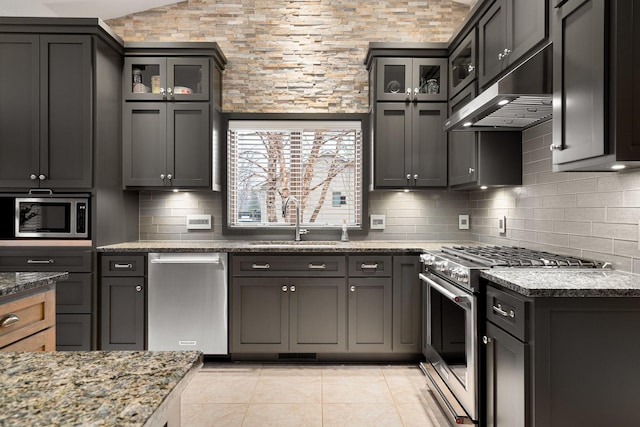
<point>187,302</point>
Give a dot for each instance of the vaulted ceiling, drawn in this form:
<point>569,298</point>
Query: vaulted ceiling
<point>104,9</point>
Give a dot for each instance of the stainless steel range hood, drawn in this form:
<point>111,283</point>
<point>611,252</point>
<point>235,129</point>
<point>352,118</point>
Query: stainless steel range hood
<point>519,100</point>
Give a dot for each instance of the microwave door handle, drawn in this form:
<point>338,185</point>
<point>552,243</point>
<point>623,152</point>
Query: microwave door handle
<point>457,299</point>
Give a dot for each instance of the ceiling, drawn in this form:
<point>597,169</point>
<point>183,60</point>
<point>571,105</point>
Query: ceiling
<point>104,9</point>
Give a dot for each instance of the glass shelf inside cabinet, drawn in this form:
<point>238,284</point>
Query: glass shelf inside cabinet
<point>430,79</point>
<point>462,66</point>
<point>145,78</point>
<point>394,78</point>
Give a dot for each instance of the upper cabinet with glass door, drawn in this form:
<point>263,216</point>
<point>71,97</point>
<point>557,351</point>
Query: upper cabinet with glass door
<point>411,79</point>
<point>166,79</point>
<point>462,64</point>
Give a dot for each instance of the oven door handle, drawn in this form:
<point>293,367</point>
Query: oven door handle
<point>457,299</point>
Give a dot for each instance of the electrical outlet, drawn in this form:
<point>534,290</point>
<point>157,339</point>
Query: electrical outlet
<point>463,222</point>
<point>502,224</point>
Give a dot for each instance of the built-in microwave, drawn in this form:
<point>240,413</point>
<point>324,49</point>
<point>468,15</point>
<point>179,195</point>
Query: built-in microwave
<point>53,216</point>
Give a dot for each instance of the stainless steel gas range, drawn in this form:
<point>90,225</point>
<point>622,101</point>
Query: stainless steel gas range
<point>453,313</point>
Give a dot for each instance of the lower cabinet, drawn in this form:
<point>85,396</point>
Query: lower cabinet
<point>28,320</point>
<point>407,308</point>
<point>122,302</point>
<point>288,315</point>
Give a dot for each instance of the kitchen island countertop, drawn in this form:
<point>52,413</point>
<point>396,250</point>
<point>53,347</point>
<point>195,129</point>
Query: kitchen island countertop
<point>115,388</point>
<point>12,283</point>
<point>554,282</point>
<point>285,246</point>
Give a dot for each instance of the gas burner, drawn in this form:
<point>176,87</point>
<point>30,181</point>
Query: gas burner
<point>513,256</point>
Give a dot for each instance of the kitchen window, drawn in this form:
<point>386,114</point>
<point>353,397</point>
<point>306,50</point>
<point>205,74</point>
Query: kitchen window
<point>319,162</point>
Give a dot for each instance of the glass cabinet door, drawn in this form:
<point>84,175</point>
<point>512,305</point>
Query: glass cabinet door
<point>145,78</point>
<point>429,79</point>
<point>394,79</point>
<point>462,64</point>
<point>188,78</point>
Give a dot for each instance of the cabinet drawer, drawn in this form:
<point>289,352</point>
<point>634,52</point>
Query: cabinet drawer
<point>50,260</point>
<point>370,266</point>
<point>289,265</point>
<point>42,341</point>
<point>508,312</point>
<point>73,295</point>
<point>123,265</point>
<point>27,315</point>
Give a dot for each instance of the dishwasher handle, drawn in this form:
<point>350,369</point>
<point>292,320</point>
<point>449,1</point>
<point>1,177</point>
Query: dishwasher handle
<point>186,260</point>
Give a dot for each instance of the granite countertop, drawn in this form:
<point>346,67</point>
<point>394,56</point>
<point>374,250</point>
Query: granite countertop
<point>537,282</point>
<point>11,283</point>
<point>285,246</point>
<point>95,388</point>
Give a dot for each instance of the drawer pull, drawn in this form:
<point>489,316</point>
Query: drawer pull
<point>369,266</point>
<point>10,319</point>
<point>317,266</point>
<point>127,266</point>
<point>260,266</point>
<point>40,261</point>
<point>502,312</point>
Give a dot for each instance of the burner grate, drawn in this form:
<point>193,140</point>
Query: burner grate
<point>513,256</point>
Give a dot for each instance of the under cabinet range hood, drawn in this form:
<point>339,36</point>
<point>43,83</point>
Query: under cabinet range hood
<point>521,99</point>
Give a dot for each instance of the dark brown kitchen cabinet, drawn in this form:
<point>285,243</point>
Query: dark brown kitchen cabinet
<point>407,298</point>
<point>46,111</point>
<point>508,30</point>
<point>463,64</point>
<point>558,361</point>
<point>75,296</point>
<point>410,147</point>
<point>171,117</point>
<point>288,304</point>
<point>370,308</point>
<point>411,79</point>
<point>122,301</point>
<point>166,144</point>
<point>595,69</point>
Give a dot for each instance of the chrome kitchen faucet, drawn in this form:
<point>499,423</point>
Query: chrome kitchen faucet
<point>284,214</point>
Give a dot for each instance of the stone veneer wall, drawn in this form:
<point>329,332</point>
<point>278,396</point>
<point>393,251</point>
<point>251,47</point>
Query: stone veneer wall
<point>588,214</point>
<point>296,55</point>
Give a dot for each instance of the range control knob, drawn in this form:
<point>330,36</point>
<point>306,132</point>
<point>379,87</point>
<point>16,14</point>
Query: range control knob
<point>441,265</point>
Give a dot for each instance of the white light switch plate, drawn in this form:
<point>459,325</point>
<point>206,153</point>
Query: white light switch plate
<point>377,221</point>
<point>502,224</point>
<point>198,222</point>
<point>463,222</point>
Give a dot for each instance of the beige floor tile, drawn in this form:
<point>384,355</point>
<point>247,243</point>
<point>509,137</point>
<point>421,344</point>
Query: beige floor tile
<point>291,370</point>
<point>288,389</point>
<point>351,370</point>
<point>283,415</point>
<point>406,389</point>
<point>212,388</point>
<point>355,389</point>
<point>360,415</point>
<point>421,415</point>
<point>213,414</point>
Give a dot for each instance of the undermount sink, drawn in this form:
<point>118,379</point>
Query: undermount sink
<point>304,243</point>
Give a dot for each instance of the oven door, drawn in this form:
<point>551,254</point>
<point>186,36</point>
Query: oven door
<point>451,347</point>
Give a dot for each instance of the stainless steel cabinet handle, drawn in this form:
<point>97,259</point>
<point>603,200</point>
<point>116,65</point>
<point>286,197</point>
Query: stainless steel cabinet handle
<point>138,288</point>
<point>162,176</point>
<point>163,92</point>
<point>118,265</point>
<point>416,91</point>
<point>471,170</point>
<point>364,266</point>
<point>292,288</point>
<point>42,177</point>
<point>10,319</point>
<point>317,266</point>
<point>500,56</point>
<point>33,176</point>
<point>408,93</point>
<point>486,340</point>
<point>408,176</point>
<point>507,52</point>
<point>415,177</point>
<point>170,92</point>
<point>284,288</point>
<point>352,288</point>
<point>498,309</point>
<point>555,147</point>
<point>260,266</point>
<point>169,177</point>
<point>40,261</point>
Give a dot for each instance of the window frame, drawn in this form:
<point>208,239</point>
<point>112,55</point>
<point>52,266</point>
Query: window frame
<point>283,231</point>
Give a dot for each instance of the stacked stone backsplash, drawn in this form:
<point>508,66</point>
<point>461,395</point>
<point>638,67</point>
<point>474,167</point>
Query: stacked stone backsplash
<point>303,56</point>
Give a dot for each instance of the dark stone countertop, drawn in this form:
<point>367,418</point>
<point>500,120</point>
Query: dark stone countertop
<point>285,246</point>
<point>93,388</point>
<point>554,282</point>
<point>11,283</point>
